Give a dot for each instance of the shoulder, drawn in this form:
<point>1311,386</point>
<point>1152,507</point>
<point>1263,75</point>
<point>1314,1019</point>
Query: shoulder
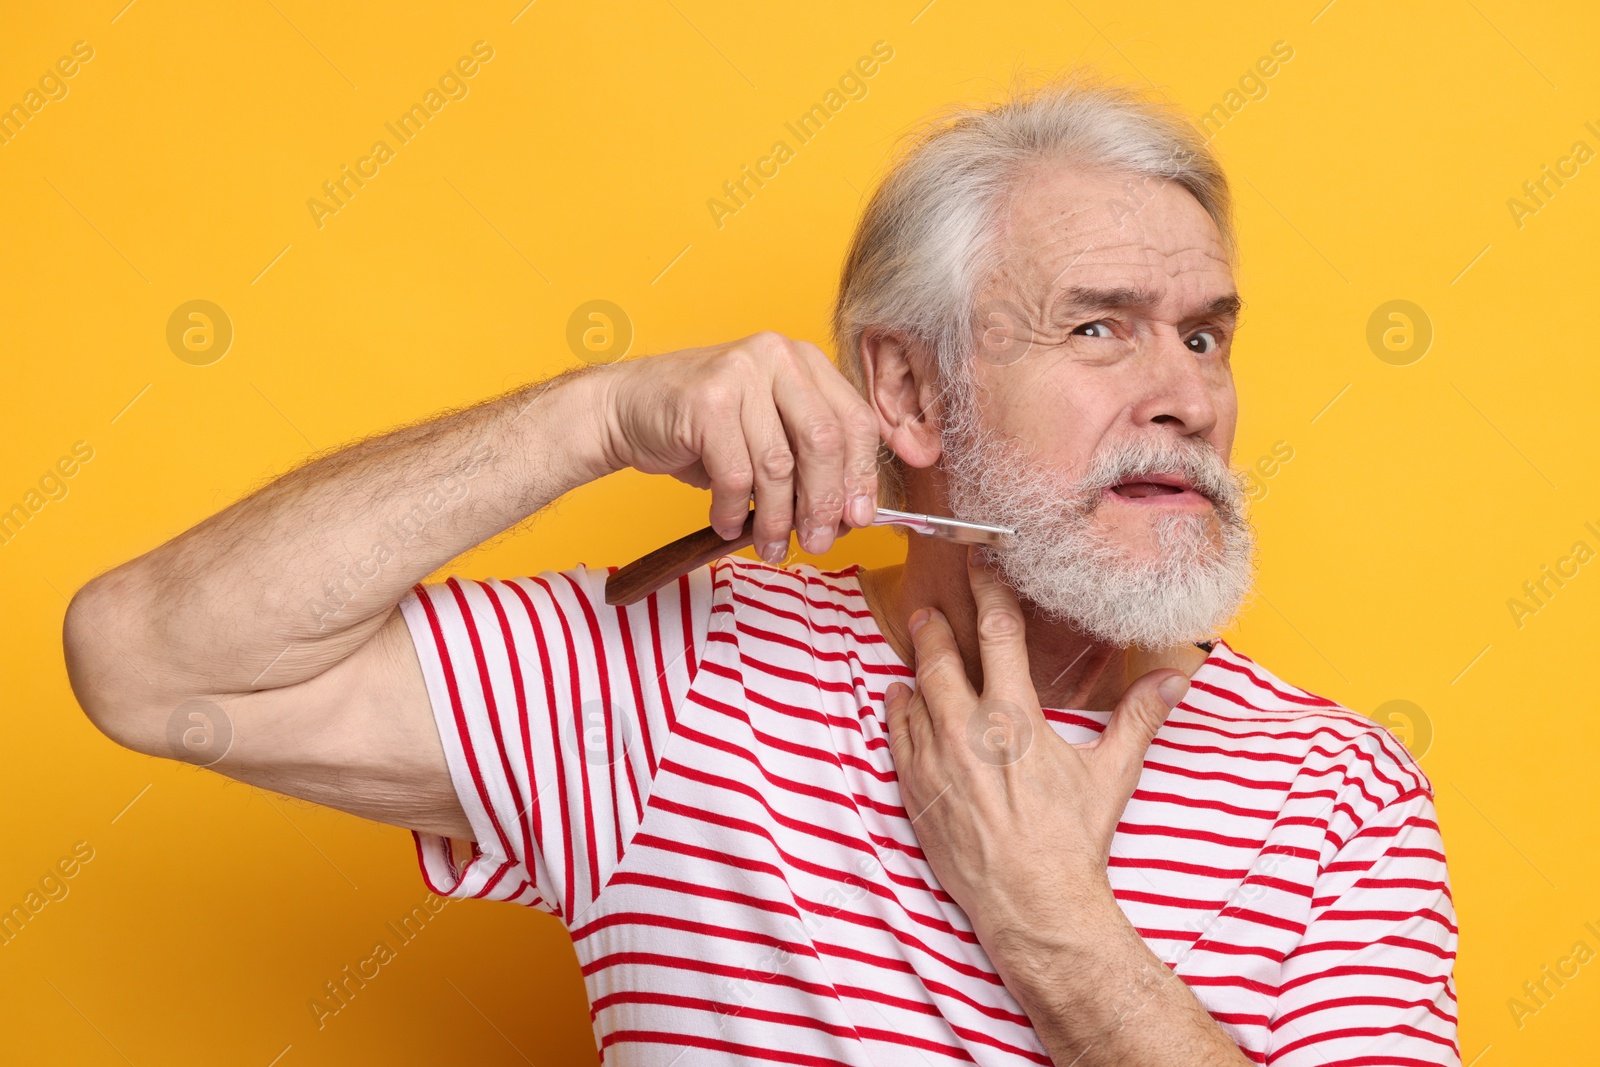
<point>1246,703</point>
<point>565,606</point>
<point>797,608</point>
<point>795,591</point>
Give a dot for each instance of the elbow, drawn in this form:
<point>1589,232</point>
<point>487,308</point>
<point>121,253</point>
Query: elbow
<point>104,677</point>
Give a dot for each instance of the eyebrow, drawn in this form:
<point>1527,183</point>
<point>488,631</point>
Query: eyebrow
<point>1080,298</point>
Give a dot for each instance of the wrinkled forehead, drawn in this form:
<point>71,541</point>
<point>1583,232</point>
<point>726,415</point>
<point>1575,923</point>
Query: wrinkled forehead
<point>1069,229</point>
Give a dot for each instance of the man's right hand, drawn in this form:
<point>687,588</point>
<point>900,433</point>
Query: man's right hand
<point>297,643</point>
<point>764,416</point>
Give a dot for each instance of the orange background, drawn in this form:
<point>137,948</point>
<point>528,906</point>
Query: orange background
<point>1376,164</point>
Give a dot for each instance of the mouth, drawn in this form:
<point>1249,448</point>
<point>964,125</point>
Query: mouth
<point>1159,490</point>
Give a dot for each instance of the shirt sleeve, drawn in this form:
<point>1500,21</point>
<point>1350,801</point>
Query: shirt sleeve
<point>553,709</point>
<point>1371,982</point>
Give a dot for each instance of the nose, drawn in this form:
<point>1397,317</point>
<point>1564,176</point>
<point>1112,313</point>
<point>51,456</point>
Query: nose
<point>1177,393</point>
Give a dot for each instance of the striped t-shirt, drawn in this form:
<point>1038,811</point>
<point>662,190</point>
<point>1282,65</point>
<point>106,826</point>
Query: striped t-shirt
<point>699,786</point>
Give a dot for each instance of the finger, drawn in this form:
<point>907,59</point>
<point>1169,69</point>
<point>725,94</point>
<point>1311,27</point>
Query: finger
<point>941,675</point>
<point>1002,634</point>
<point>895,699</point>
<point>908,723</point>
<point>726,459</point>
<point>862,440</point>
<point>817,439</point>
<point>1121,749</point>
<point>772,477</point>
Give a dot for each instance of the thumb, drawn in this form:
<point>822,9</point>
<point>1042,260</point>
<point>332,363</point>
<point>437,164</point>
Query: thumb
<point>1133,725</point>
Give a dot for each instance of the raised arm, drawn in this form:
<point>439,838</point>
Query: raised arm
<point>265,642</point>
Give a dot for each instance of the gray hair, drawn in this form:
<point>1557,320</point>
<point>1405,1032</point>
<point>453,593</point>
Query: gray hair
<point>927,241</point>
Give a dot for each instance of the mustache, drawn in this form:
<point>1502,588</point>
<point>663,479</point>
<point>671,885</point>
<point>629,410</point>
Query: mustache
<point>1194,461</point>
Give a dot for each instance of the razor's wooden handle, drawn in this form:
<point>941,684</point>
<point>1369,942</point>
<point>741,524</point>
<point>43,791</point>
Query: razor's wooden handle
<point>650,572</point>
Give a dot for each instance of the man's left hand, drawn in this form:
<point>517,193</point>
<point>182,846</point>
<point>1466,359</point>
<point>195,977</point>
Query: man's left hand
<point>1015,821</point>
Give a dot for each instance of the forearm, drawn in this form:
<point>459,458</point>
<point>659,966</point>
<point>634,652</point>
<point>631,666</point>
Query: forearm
<point>290,580</point>
<point>1096,994</point>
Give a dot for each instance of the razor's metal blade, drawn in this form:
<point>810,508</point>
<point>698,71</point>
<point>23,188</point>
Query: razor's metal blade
<point>972,533</point>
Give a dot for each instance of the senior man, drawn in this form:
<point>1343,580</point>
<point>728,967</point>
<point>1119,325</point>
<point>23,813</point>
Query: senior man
<point>1021,808</point>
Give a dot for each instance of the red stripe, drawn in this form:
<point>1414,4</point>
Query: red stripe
<point>553,748</point>
<point>514,659</point>
<point>1365,1002</point>
<point>634,677</point>
<point>840,991</point>
<point>1365,1031</point>
<point>465,737</point>
<point>1365,972</point>
<point>751,1052</point>
<point>1299,696</point>
<point>1427,948</point>
<point>597,649</point>
<point>899,1039</point>
<point>1151,796</point>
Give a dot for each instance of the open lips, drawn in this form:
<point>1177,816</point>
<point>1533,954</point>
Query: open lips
<point>1154,485</point>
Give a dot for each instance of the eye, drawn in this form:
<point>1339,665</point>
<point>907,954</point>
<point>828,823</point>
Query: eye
<point>1207,341</point>
<point>1106,330</point>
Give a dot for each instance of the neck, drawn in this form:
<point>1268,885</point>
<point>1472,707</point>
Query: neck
<point>1069,669</point>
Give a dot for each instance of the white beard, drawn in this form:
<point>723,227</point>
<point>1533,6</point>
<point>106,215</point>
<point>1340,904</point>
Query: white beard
<point>1074,573</point>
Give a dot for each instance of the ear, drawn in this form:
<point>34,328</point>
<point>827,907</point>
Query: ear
<point>902,390</point>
